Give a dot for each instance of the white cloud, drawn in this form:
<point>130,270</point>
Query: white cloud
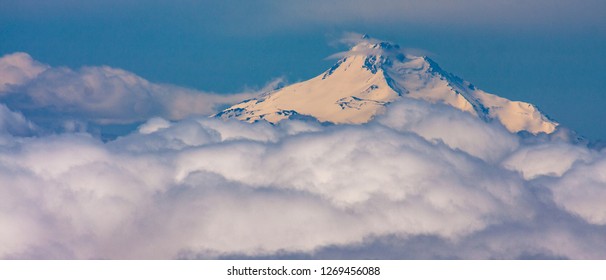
<point>103,94</point>
<point>422,181</point>
<point>14,124</point>
<point>17,69</point>
<point>206,188</point>
<point>582,190</point>
<point>546,159</point>
<point>459,131</point>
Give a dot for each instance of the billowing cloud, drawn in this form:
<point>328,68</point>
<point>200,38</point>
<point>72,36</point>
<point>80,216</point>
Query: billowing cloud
<point>582,190</point>
<point>551,159</point>
<point>17,69</point>
<point>421,181</point>
<point>14,123</point>
<point>103,95</point>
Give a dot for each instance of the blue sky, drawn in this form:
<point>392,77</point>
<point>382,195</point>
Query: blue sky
<point>549,53</point>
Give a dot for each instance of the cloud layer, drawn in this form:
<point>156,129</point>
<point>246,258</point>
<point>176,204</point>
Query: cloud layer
<point>421,181</point>
<point>101,95</point>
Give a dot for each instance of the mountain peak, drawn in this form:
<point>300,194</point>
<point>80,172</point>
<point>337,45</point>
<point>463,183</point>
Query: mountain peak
<point>375,45</point>
<point>367,46</point>
<point>376,54</point>
<point>373,74</point>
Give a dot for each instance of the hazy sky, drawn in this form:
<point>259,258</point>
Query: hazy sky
<point>550,53</point>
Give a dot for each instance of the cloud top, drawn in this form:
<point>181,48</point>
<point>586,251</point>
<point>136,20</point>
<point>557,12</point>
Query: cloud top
<point>421,181</point>
<point>102,94</point>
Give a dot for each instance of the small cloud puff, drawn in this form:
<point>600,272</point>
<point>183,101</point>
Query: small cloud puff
<point>17,69</point>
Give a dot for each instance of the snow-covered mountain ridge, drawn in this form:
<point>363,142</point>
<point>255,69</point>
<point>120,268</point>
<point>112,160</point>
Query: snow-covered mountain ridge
<point>373,74</point>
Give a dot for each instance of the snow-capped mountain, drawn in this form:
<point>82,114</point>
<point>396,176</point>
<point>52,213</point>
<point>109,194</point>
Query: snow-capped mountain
<point>373,74</point>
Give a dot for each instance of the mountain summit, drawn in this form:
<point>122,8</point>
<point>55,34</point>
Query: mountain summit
<point>370,76</point>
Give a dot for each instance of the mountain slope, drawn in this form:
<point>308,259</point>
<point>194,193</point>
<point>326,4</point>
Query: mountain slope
<point>373,74</point>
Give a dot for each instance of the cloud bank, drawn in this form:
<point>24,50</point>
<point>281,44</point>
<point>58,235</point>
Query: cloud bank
<point>102,95</point>
<point>421,181</point>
